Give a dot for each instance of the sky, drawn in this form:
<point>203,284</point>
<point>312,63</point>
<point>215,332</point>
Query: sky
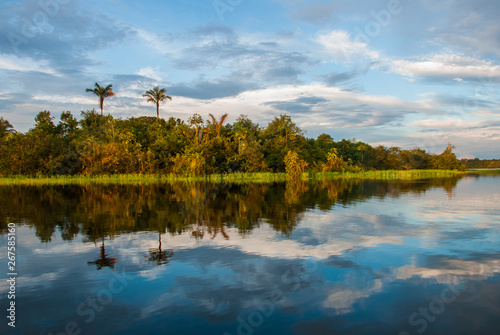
<point>406,73</point>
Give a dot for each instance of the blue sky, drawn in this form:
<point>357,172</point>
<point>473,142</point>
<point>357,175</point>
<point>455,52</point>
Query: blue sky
<point>401,73</point>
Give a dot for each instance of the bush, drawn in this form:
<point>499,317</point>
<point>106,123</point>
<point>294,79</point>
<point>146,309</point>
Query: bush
<point>334,162</point>
<point>294,166</point>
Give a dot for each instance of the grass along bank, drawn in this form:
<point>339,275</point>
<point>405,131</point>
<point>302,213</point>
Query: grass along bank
<point>262,177</point>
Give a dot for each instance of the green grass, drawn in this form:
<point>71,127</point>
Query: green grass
<point>233,178</point>
<point>392,175</point>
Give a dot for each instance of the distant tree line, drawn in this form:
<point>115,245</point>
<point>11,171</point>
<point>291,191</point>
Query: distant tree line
<point>99,144</point>
<point>481,163</point>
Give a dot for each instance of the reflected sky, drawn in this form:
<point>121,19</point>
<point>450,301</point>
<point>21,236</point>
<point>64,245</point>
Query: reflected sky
<point>376,258</point>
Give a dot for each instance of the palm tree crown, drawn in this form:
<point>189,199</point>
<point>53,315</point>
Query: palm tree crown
<point>156,95</point>
<point>102,92</point>
<point>218,124</point>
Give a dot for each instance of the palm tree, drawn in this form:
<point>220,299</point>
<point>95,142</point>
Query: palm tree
<point>218,124</point>
<point>156,95</point>
<point>102,93</point>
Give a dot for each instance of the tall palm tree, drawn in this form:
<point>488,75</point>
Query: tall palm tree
<point>156,95</point>
<point>218,124</point>
<point>102,92</point>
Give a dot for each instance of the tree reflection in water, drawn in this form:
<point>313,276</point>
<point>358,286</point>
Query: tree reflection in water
<point>196,208</point>
<point>159,256</point>
<point>104,260</point>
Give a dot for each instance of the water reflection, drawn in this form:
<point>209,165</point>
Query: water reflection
<point>330,257</point>
<point>158,255</point>
<point>104,260</point>
<point>200,209</point>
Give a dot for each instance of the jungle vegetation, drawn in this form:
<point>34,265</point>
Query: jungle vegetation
<point>103,145</point>
<point>481,163</point>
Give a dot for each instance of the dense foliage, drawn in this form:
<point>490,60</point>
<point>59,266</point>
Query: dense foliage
<point>98,144</point>
<point>481,163</point>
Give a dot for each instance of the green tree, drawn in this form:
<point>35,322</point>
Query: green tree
<point>294,166</point>
<point>44,123</point>
<point>157,95</point>
<point>247,155</point>
<point>68,124</point>
<point>196,123</point>
<point>447,160</point>
<point>334,162</point>
<point>5,127</point>
<point>68,162</point>
<point>415,159</point>
<point>102,92</point>
<point>280,136</point>
<point>41,146</point>
<point>11,149</point>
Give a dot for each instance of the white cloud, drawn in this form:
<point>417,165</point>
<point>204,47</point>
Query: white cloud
<point>455,270</point>
<point>449,124</point>
<point>339,108</point>
<point>150,72</point>
<point>15,63</point>
<point>448,66</point>
<point>342,298</point>
<point>343,48</point>
<point>87,100</point>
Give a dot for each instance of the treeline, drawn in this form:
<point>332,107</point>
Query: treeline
<point>98,144</point>
<point>481,163</point>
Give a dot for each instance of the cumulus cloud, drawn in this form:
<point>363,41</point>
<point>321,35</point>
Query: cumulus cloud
<point>212,49</point>
<point>12,62</point>
<point>150,72</point>
<point>343,48</point>
<point>447,66</point>
<point>469,26</point>
<point>454,124</point>
<point>65,37</point>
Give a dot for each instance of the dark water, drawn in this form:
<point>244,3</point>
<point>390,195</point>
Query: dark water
<point>312,258</point>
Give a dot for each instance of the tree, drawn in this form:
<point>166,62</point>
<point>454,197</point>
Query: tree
<point>68,124</point>
<point>334,162</point>
<point>280,136</point>
<point>45,123</point>
<point>196,123</point>
<point>218,124</point>
<point>5,127</point>
<point>447,160</point>
<point>41,146</point>
<point>102,93</point>
<point>362,147</point>
<point>156,95</point>
<point>295,166</point>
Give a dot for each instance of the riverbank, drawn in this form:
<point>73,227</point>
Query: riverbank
<point>234,178</point>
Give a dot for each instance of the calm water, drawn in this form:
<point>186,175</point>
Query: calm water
<point>319,258</point>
